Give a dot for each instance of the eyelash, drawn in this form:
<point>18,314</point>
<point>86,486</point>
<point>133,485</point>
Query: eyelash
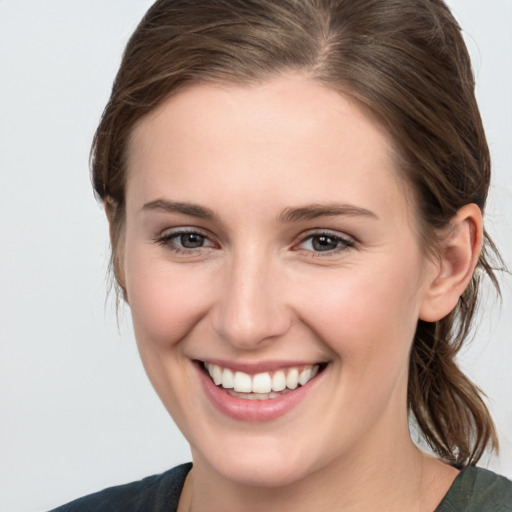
<point>342,243</point>
<point>167,241</point>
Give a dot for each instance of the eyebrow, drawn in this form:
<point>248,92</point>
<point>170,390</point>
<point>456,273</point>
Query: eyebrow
<point>313,211</point>
<point>288,215</point>
<point>192,210</point>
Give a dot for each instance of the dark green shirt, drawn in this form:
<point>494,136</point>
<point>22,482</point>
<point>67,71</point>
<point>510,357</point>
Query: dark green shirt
<point>474,490</point>
<point>478,490</point>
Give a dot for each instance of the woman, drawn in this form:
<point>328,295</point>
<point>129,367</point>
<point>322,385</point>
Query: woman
<point>295,194</point>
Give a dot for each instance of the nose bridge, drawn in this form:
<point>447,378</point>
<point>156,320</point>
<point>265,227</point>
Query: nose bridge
<point>251,308</point>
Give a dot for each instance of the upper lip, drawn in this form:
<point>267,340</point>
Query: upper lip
<point>261,366</point>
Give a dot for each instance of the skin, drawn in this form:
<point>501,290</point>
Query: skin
<point>258,291</point>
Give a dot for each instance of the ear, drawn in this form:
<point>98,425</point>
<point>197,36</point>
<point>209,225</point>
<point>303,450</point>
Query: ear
<point>458,256</point>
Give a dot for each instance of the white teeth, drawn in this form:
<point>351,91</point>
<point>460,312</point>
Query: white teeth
<point>243,382</point>
<point>217,375</point>
<point>305,376</point>
<point>262,385</point>
<point>292,379</point>
<point>255,396</point>
<point>228,380</point>
<point>278,381</point>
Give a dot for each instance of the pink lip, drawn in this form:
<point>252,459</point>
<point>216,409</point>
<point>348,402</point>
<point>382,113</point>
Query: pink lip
<point>253,410</point>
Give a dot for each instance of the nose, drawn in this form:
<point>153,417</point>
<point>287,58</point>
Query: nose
<point>252,309</point>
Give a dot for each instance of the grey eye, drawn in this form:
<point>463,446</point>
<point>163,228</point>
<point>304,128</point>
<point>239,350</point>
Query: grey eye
<point>325,242</point>
<point>191,240</point>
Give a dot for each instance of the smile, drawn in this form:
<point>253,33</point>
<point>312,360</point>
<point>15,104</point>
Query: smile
<point>255,395</point>
<point>261,386</point>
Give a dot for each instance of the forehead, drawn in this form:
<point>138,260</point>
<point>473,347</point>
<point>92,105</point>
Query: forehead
<point>284,99</point>
<point>261,139</point>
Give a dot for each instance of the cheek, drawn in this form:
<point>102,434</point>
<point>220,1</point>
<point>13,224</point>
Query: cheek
<point>367,316</point>
<point>166,305</point>
<point>166,301</point>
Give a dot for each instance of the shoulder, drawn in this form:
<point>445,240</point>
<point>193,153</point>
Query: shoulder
<point>478,490</point>
<point>152,494</point>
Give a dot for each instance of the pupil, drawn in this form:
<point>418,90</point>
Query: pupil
<point>324,243</point>
<point>191,240</point>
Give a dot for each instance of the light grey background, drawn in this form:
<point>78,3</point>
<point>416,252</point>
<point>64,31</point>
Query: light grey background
<point>76,411</point>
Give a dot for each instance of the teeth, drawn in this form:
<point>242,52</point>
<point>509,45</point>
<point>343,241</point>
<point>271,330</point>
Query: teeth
<point>261,384</point>
<point>278,381</point>
<point>228,379</point>
<point>292,379</point>
<point>217,375</point>
<point>243,382</point>
<point>305,376</point>
<point>256,396</point>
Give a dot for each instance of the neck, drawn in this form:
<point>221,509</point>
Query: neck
<point>392,476</point>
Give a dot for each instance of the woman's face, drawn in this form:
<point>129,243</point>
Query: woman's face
<point>268,238</point>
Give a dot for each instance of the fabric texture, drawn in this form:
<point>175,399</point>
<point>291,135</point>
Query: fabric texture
<point>478,490</point>
<point>474,490</point>
<point>157,493</point>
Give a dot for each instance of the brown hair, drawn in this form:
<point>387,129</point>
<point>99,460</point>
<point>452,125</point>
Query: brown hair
<point>406,61</point>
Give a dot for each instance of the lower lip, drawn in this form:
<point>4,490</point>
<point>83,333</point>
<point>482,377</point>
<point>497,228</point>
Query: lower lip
<point>254,410</point>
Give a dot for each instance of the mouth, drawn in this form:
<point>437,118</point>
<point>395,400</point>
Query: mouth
<point>263,385</point>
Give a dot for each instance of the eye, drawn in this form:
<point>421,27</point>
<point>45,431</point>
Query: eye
<point>184,241</point>
<point>325,242</point>
<point>191,240</point>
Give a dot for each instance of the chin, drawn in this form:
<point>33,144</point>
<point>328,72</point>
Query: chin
<point>265,473</point>
<point>260,462</point>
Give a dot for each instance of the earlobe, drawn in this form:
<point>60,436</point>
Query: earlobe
<point>458,257</point>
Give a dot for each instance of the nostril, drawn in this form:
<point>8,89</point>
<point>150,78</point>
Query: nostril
<point>249,331</point>
<point>250,309</point>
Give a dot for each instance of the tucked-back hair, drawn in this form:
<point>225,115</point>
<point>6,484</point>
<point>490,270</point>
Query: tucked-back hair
<point>404,60</point>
